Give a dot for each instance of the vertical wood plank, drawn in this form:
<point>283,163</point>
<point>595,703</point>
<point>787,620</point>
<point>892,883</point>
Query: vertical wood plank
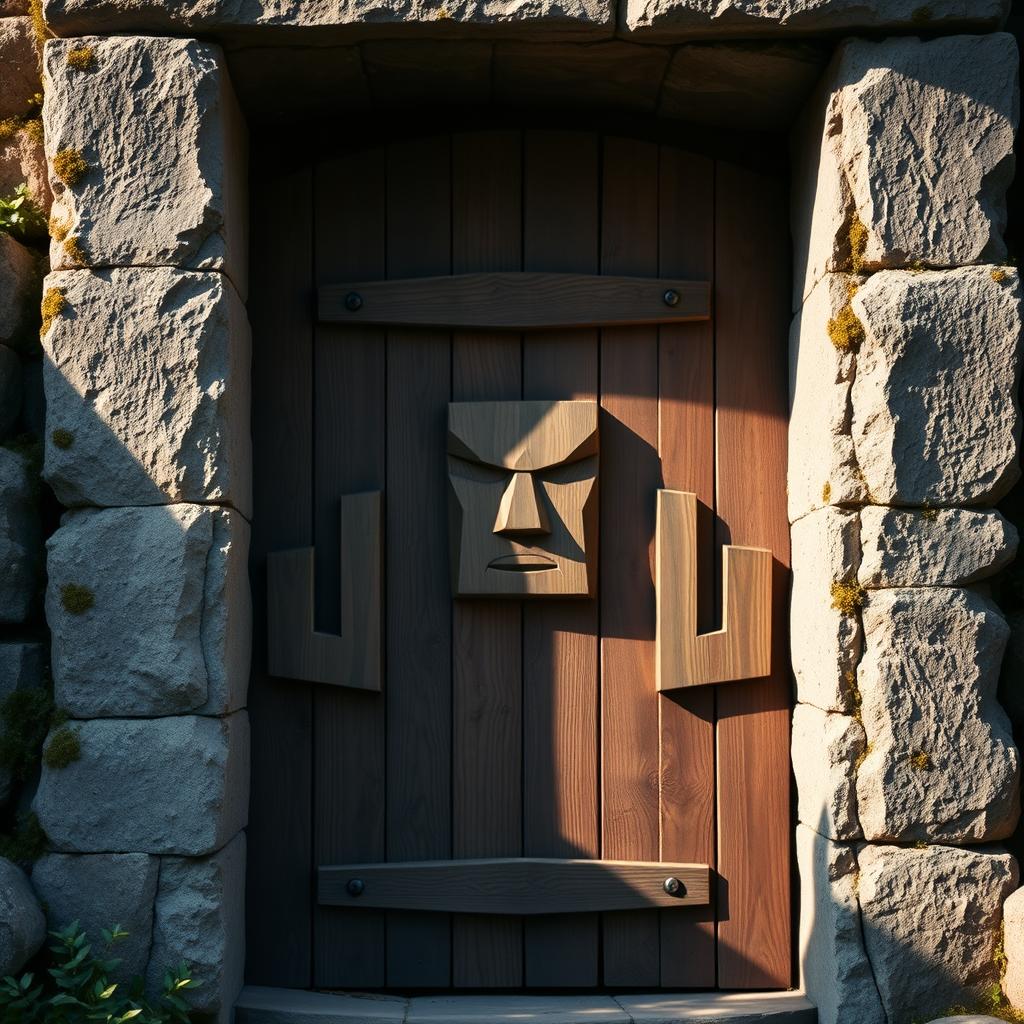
<point>751,281</point>
<point>631,470</point>
<point>418,595</point>
<point>687,446</point>
<point>560,694</point>
<point>349,798</point>
<point>278,879</point>
<point>487,951</point>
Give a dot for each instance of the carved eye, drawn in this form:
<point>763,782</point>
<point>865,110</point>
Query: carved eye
<point>477,471</point>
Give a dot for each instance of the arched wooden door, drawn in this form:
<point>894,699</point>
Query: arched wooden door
<point>509,728</point>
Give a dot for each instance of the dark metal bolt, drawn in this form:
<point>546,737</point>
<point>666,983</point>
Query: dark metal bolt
<point>353,302</point>
<point>355,887</point>
<point>674,887</point>
<point>671,297</point>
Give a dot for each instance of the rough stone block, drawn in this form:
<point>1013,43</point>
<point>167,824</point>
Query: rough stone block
<point>170,583</point>
<point>1013,947</point>
<point>935,416</point>
<point>325,19</point>
<point>825,642</point>
<point>23,160</point>
<point>938,547</point>
<point>931,923</point>
<point>22,925</point>
<point>826,750</point>
<point>10,390</point>
<point>100,891</point>
<point>20,537</point>
<point>672,19</point>
<point>834,968</point>
<point>822,462</point>
<point>147,380</point>
<point>941,763</point>
<point>182,786</point>
<point>863,194</point>
<point>19,293</point>
<point>19,66</point>
<point>157,123</point>
<point>200,918</point>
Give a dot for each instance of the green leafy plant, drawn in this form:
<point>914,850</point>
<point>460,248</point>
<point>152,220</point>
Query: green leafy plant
<point>19,215</point>
<point>78,989</point>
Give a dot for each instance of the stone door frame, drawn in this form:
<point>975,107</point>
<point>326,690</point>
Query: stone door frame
<point>147,370</point>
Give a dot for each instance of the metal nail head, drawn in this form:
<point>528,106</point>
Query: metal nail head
<point>355,887</point>
<point>353,302</point>
<point>671,297</point>
<point>674,887</point>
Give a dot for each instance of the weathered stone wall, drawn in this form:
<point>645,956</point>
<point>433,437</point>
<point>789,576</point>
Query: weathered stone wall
<point>25,507</point>
<point>146,375</point>
<point>905,431</point>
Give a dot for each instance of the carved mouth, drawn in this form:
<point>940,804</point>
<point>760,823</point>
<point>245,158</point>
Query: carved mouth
<point>522,563</point>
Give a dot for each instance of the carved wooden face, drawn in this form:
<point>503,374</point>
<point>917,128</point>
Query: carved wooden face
<point>523,481</point>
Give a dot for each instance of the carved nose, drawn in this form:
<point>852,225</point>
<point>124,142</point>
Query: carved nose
<point>520,511</point>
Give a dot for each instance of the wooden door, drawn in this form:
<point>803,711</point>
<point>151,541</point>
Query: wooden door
<point>510,728</point>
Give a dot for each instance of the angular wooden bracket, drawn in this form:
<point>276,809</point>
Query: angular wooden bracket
<point>515,885</point>
<point>296,650</point>
<point>741,649</point>
<point>515,301</point>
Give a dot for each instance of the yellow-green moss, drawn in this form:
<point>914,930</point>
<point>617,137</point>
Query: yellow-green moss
<point>845,330</point>
<point>70,166</point>
<point>52,306</point>
<point>33,128</point>
<point>74,252</point>
<point>826,492</point>
<point>59,228</point>
<point>81,58</point>
<point>862,757</point>
<point>39,27</point>
<point>1000,274</point>
<point>929,513</point>
<point>9,127</point>
<point>920,844</point>
<point>921,760</point>
<point>921,15</point>
<point>62,438</point>
<point>857,236</point>
<point>847,597</point>
<point>63,749</point>
<point>76,598</point>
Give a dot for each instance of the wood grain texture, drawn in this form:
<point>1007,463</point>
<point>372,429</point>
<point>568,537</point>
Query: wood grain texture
<point>514,886</point>
<point>419,623</point>
<point>560,691</point>
<point>742,648</point>
<point>487,679</point>
<point>278,879</point>
<point>349,449</point>
<point>686,443</point>
<point>629,457</point>
<point>753,717</point>
<point>295,649</point>
<point>516,301</point>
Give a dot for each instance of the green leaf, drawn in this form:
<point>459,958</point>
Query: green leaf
<point>107,992</point>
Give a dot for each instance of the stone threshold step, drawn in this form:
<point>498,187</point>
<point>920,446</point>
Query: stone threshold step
<point>292,1006</point>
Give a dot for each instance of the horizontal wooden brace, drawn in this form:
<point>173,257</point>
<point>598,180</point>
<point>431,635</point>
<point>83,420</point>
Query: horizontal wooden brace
<point>516,301</point>
<point>515,885</point>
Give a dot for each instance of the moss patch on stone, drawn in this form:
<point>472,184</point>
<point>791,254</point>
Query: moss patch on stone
<point>845,330</point>
<point>62,438</point>
<point>826,492</point>
<point>81,58</point>
<point>63,749</point>
<point>922,15</point>
<point>70,166</point>
<point>26,843</point>
<point>59,229</point>
<point>74,252</point>
<point>857,237</point>
<point>848,597</point>
<point>39,27</point>
<point>1000,274</point>
<point>33,128</point>
<point>921,761</point>
<point>52,306</point>
<point>25,718</point>
<point>76,599</point>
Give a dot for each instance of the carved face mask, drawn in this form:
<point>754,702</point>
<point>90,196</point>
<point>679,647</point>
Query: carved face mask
<point>523,479</point>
